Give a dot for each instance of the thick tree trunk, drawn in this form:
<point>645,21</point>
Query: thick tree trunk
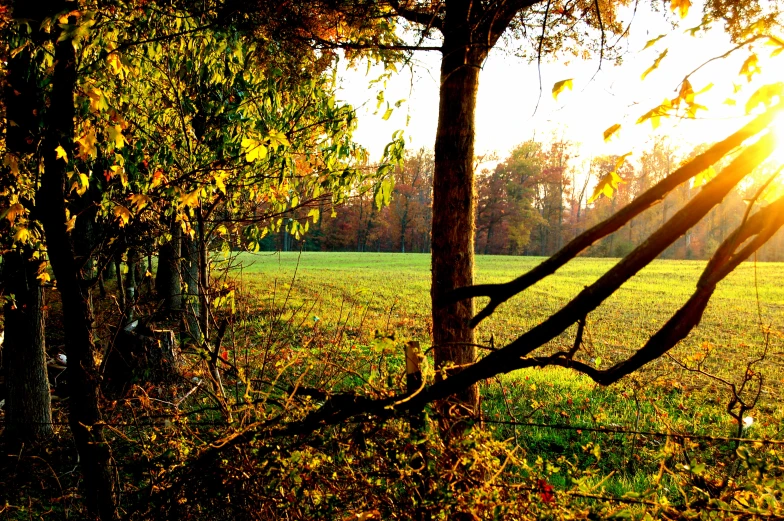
<point>453,211</point>
<point>28,405</point>
<point>168,283</point>
<point>84,413</point>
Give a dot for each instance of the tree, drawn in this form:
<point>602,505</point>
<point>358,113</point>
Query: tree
<point>23,266</point>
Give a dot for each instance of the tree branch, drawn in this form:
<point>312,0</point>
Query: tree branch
<point>500,293</point>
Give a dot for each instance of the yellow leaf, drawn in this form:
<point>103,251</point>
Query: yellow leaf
<point>650,43</point>
<point>190,199</point>
<point>686,93</point>
<point>21,234</point>
<point>115,134</point>
<point>730,102</point>
<point>560,86</point>
<point>607,185</point>
<point>97,100</point>
<point>681,7</point>
<point>220,178</point>
<point>61,153</point>
<point>44,277</point>
<point>253,149</point>
<point>655,65</point>
<point>777,43</point>
<point>122,214</point>
<point>612,131</point>
<point>80,182</point>
<point>70,223</point>
<point>13,212</point>
<point>765,95</point>
<point>314,213</point>
<point>115,63</point>
<point>86,144</point>
<point>120,170</point>
<point>139,201</point>
<point>656,113</point>
<point>750,67</point>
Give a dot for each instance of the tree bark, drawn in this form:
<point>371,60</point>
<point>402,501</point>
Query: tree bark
<point>190,276</point>
<point>168,283</point>
<point>84,413</point>
<point>453,206</point>
<point>28,404</point>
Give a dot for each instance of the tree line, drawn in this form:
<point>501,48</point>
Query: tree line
<point>531,203</point>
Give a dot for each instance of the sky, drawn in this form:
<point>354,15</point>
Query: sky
<point>509,91</point>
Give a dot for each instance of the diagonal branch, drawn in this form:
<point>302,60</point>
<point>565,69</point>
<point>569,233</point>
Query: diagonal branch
<point>592,296</point>
<point>500,293</point>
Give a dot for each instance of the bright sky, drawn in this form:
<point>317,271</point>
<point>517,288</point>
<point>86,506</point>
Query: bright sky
<point>509,90</point>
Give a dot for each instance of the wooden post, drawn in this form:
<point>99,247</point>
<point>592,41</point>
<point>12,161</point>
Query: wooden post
<point>413,367</point>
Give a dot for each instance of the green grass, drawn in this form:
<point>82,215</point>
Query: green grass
<point>350,295</point>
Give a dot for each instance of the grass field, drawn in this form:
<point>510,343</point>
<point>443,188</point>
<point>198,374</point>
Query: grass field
<point>351,295</point>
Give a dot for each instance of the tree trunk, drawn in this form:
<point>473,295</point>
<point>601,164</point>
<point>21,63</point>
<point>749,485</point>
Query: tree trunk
<point>168,283</point>
<point>28,405</point>
<point>204,279</point>
<point>190,276</point>
<point>453,211</point>
<point>84,413</point>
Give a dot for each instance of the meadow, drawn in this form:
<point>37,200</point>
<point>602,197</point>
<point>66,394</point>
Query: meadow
<point>355,298</point>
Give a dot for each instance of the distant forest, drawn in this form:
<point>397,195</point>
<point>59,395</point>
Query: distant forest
<point>531,203</point>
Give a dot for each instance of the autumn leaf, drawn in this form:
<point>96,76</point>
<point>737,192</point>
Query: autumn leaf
<point>70,224</point>
<point>120,171</point>
<point>13,212</point>
<point>777,43</point>
<point>115,135</point>
<point>681,7</point>
<point>60,151</point>
<point>43,277</point>
<point>651,42</point>
<point>560,86</point>
<point>655,65</point>
<point>750,67</point>
<point>115,63</point>
<point>139,200</point>
<point>220,180</point>
<point>765,95</point>
<point>253,150</point>
<point>80,182</point>
<point>97,100</point>
<point>611,132</point>
<point>607,184</point>
<point>656,113</point>
<point>86,144</point>
<point>158,178</point>
<point>122,214</point>
<point>190,198</point>
<point>21,234</point>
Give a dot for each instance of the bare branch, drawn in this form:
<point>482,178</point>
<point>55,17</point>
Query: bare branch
<point>500,293</point>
